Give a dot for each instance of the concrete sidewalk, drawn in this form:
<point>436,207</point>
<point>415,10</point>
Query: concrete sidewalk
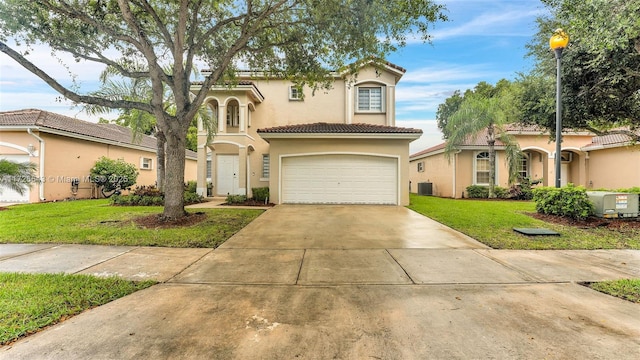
<point>340,282</point>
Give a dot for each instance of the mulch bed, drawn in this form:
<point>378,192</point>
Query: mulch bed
<point>591,222</point>
<point>157,222</point>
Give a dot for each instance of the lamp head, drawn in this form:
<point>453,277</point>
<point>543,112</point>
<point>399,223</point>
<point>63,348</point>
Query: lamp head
<point>559,40</point>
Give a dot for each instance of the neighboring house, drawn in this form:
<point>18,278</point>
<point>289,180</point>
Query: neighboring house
<point>611,162</point>
<point>337,146</point>
<point>65,149</point>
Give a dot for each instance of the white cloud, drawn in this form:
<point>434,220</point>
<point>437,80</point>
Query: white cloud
<point>431,136</point>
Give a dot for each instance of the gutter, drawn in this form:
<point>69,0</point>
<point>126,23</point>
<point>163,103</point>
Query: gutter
<point>41,167</point>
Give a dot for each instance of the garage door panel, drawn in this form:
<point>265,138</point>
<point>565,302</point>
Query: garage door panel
<point>10,195</point>
<point>339,179</point>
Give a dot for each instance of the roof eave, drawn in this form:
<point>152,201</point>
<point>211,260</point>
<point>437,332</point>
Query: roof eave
<point>396,136</point>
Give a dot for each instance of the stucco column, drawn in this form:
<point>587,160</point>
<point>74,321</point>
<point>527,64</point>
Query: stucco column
<point>243,122</point>
<point>391,105</point>
<point>201,188</point>
<point>222,119</point>
<point>242,169</point>
<point>349,100</point>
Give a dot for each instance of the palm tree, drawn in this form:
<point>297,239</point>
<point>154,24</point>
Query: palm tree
<point>486,112</point>
<point>16,176</point>
<point>139,121</point>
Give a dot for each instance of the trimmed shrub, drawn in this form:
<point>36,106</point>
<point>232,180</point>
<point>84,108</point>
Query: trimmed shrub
<point>261,194</point>
<point>501,193</point>
<point>477,192</point>
<point>236,199</point>
<point>151,196</point>
<point>191,187</point>
<point>569,201</point>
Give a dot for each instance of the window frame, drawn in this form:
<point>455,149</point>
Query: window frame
<point>295,93</point>
<point>475,168</point>
<point>266,167</point>
<point>369,109</point>
<point>146,163</point>
<point>421,166</point>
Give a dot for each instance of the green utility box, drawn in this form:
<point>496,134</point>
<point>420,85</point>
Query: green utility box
<point>614,205</point>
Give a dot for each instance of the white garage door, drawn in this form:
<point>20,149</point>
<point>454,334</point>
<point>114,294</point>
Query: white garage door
<point>8,195</point>
<point>339,179</point>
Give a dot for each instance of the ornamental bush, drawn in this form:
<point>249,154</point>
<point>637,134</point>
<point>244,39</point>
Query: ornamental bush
<point>261,194</point>
<point>569,201</point>
<point>111,176</point>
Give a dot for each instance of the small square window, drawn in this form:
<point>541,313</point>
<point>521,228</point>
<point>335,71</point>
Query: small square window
<point>146,163</point>
<point>295,93</point>
<point>421,166</point>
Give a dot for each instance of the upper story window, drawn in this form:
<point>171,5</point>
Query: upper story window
<point>370,99</point>
<point>482,168</point>
<point>295,93</point>
<point>233,115</point>
<point>421,166</point>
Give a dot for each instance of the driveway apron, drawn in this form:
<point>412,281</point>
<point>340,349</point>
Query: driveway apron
<point>355,282</point>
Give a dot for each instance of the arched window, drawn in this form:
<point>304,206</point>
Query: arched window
<point>482,168</point>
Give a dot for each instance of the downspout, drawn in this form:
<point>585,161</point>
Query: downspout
<point>41,167</point>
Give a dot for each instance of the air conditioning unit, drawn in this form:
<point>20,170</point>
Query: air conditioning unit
<point>614,205</point>
<point>425,188</point>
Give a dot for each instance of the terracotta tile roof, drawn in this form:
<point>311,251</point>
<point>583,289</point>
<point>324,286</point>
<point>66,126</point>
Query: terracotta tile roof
<point>338,128</point>
<point>52,121</point>
<point>429,150</point>
<point>611,140</point>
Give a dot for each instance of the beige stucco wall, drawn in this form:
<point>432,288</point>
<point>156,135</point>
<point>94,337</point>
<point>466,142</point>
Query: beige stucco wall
<point>605,168</point>
<point>614,168</point>
<point>334,105</point>
<point>67,158</point>
<point>396,148</point>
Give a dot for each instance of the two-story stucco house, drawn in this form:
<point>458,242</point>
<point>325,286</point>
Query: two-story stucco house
<point>337,146</point>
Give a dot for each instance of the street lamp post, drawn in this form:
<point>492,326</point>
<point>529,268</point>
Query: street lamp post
<point>558,42</point>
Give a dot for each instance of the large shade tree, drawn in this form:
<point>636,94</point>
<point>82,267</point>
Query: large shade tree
<point>297,39</point>
<point>600,72</point>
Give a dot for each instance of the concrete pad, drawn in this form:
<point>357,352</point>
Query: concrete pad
<point>12,250</point>
<point>444,266</point>
<point>246,266</point>
<point>351,267</point>
<point>148,263</point>
<point>346,227</point>
<point>627,261</point>
<point>171,321</point>
<point>545,265</point>
<point>62,259</point>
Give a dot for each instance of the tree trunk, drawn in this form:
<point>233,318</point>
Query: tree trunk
<point>174,176</point>
<point>160,173</point>
<point>492,168</point>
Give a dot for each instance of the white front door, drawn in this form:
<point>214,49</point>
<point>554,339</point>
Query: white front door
<point>564,174</point>
<point>227,171</point>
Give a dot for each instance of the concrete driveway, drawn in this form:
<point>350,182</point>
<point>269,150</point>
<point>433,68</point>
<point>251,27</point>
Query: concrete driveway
<point>352,282</point>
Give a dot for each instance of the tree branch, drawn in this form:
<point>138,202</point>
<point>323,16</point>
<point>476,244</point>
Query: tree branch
<point>73,96</point>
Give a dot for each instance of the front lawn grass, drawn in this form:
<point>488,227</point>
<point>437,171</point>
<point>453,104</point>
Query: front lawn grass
<point>29,302</point>
<point>492,221</point>
<point>628,289</point>
<point>96,222</point>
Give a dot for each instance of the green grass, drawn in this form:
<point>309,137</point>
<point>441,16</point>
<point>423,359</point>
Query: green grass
<point>628,289</point>
<point>492,223</point>
<point>96,222</point>
<point>29,302</point>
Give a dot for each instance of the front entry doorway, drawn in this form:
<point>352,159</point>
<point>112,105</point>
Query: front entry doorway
<point>227,175</point>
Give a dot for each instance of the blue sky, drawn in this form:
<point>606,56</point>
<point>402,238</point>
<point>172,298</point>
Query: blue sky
<point>483,41</point>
